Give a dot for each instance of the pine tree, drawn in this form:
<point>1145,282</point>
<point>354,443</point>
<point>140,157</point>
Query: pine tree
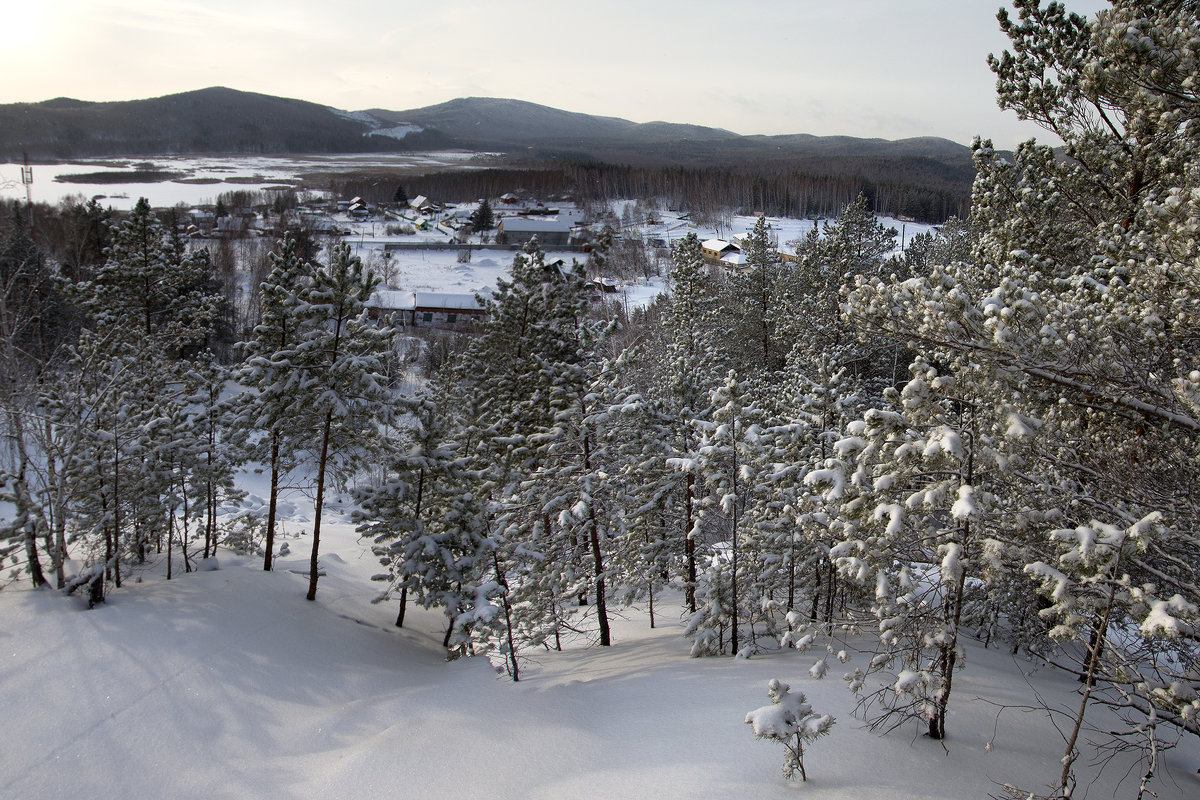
<point>482,218</point>
<point>146,307</point>
<point>530,374</point>
<point>271,368</point>
<point>211,424</point>
<point>829,259</point>
<point>1074,317</point>
<point>754,303</point>
<point>693,363</point>
<point>728,459</point>
<point>916,481</point>
<point>152,285</point>
<point>341,359</point>
<point>426,521</point>
<point>790,721</point>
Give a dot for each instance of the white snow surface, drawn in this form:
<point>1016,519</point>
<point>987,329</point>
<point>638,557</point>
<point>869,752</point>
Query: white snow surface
<point>396,131</point>
<point>229,684</point>
<point>202,178</point>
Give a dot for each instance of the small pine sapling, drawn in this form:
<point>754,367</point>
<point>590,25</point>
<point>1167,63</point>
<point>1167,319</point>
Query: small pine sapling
<point>790,721</point>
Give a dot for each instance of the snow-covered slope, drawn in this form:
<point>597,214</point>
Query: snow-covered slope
<point>229,684</point>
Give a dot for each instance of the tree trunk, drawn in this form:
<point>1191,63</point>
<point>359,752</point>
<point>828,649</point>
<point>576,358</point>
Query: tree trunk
<point>512,649</point>
<point>270,544</point>
<point>417,518</point>
<point>403,606</point>
<point>1067,777</point>
<point>316,545</point>
<point>733,632</point>
<point>59,520</point>
<point>597,556</point>
<point>115,554</point>
<point>36,576</point>
<point>689,549</point>
<point>791,601</point>
<point>651,605</point>
<point>170,541</point>
<point>816,600</point>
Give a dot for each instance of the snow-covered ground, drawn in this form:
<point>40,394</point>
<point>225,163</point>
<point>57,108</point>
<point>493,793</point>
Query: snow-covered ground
<point>441,271</point>
<point>202,178</point>
<point>229,684</point>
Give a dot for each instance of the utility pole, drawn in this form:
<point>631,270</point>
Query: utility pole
<point>27,179</point>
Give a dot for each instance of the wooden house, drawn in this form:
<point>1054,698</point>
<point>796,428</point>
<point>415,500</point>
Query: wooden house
<point>549,232</point>
<point>436,310</point>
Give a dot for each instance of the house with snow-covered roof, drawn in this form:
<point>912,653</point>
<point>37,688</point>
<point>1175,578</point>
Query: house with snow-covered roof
<point>421,203</point>
<point>715,250</point>
<point>516,230</point>
<point>437,310</point>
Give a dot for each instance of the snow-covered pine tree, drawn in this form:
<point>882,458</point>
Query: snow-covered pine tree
<point>1091,596</point>
<point>270,369</point>
<point>790,721</point>
<point>728,459</point>
<point>1076,315</point>
<point>655,424</point>
<point>153,285</point>
<point>829,258</point>
<point>529,374</point>
<point>824,402</point>
<point>426,520</point>
<point>45,494</point>
<point>341,357</point>
<point>922,477</point>
<point>212,424</point>
<point>754,304</point>
<point>147,306</point>
<point>573,486</point>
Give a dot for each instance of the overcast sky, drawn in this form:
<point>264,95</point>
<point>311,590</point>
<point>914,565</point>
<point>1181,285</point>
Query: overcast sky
<point>855,67</point>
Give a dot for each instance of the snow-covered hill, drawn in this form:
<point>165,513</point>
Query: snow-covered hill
<point>228,684</point>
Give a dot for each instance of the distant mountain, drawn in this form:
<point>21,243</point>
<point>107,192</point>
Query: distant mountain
<point>489,122</point>
<point>528,129</point>
<point>215,121</point>
<point>219,120</point>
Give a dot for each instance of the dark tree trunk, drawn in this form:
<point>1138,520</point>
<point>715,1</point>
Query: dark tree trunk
<point>597,556</point>
<point>689,549</point>
<point>403,607</point>
<point>36,576</point>
<point>316,545</point>
<point>270,544</point>
<point>512,649</point>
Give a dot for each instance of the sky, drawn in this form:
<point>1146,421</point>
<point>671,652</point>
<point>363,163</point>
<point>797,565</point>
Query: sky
<point>870,68</point>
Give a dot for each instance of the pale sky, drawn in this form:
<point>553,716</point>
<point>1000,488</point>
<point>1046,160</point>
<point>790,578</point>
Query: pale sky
<point>871,68</point>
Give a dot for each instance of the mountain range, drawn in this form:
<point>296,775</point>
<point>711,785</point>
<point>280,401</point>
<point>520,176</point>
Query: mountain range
<point>226,121</point>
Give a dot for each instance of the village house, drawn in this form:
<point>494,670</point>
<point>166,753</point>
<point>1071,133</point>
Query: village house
<point>435,310</point>
<point>713,250</point>
<point>549,232</point>
<point>358,209</point>
<point>422,204</point>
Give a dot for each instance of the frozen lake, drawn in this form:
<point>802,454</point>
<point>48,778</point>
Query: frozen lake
<point>197,180</point>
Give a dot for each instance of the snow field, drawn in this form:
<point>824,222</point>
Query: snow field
<point>228,684</point>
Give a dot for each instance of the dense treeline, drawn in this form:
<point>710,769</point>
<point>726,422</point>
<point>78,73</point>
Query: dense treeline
<point>921,189</point>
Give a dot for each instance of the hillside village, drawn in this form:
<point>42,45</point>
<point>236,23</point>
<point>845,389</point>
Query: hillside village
<point>439,242</point>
